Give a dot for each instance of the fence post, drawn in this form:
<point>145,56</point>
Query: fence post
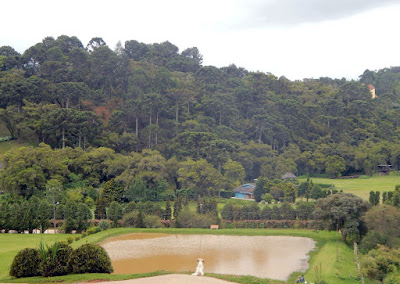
<point>358,262</point>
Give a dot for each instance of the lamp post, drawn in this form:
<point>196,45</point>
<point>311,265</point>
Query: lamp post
<point>54,210</point>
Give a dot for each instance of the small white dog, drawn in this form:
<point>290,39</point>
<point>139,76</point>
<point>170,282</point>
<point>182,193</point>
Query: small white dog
<point>199,268</point>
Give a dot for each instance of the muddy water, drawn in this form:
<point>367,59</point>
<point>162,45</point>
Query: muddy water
<point>269,257</point>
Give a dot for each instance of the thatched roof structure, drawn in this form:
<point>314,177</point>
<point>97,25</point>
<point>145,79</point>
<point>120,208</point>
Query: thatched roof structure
<point>289,175</point>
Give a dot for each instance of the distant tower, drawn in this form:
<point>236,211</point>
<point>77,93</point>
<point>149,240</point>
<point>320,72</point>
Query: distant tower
<point>372,91</point>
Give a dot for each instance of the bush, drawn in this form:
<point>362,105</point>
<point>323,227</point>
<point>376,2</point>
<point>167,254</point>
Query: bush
<point>104,225</point>
<point>189,219</point>
<point>93,230</point>
<point>90,258</point>
<point>56,261</point>
<point>26,263</point>
<point>133,219</point>
<point>372,239</point>
<point>152,221</point>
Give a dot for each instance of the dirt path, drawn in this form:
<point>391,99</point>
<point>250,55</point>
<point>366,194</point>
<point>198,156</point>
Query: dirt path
<point>172,279</point>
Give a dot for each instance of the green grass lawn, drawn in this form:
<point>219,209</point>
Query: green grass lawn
<point>10,244</point>
<point>343,271</point>
<point>363,185</point>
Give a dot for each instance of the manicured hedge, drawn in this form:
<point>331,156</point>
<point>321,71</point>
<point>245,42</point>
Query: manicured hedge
<point>26,263</point>
<point>90,258</point>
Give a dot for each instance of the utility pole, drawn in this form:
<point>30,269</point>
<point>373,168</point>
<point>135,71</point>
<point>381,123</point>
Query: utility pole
<point>54,211</point>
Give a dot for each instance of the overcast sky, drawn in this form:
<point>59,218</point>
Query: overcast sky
<point>295,38</point>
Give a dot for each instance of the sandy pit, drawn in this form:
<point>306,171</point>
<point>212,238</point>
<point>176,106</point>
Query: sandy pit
<point>273,257</point>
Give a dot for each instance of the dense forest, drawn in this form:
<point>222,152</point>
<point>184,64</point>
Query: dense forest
<point>147,115</point>
<point>138,134</point>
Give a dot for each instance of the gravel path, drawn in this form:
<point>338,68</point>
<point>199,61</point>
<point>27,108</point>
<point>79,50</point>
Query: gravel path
<point>172,279</point>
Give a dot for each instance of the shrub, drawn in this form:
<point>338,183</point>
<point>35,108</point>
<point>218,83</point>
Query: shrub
<point>93,230</point>
<point>189,219</point>
<point>152,221</point>
<point>90,258</point>
<point>56,260</point>
<point>104,225</point>
<point>133,219</point>
<point>372,239</point>
<point>26,263</point>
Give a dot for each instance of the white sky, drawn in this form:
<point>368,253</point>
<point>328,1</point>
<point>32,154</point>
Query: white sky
<point>295,38</point>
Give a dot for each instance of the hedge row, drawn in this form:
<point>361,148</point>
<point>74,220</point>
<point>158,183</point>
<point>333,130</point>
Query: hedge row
<point>278,224</point>
<point>60,259</point>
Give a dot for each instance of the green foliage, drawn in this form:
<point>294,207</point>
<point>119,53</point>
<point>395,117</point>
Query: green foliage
<point>26,263</point>
<point>335,165</point>
<point>93,230</point>
<point>114,213</point>
<point>112,191</point>
<point>230,212</point>
<point>226,124</point>
<point>90,258</point>
<point>189,219</point>
<point>26,172</point>
<point>305,210</point>
<point>200,176</point>
<point>56,261</point>
<point>373,239</point>
<point>383,224</point>
<point>343,212</point>
<point>152,221</point>
<point>104,225</point>
<point>83,216</point>
<point>316,192</point>
<point>261,188</point>
<point>133,219</point>
<point>268,198</point>
<point>380,262</point>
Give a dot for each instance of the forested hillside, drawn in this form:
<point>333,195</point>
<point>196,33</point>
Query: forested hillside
<point>150,114</point>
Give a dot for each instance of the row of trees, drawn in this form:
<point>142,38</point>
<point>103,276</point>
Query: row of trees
<point>152,96</point>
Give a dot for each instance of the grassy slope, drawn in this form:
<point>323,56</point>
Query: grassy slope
<point>343,271</point>
<point>363,185</point>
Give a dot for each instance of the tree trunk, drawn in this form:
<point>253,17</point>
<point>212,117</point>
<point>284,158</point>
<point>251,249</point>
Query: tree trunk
<point>63,138</point>
<point>137,127</point>
<point>157,129</point>
<point>177,112</point>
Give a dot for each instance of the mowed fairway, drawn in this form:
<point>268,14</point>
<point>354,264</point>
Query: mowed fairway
<point>363,185</point>
<point>10,244</point>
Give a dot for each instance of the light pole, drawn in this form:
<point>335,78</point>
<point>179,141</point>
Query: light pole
<point>54,210</point>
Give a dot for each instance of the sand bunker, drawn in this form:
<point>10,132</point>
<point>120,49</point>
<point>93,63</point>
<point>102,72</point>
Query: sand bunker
<point>273,257</point>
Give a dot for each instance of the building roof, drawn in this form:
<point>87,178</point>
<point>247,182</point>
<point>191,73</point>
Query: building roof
<point>371,87</point>
<point>245,188</point>
<point>289,175</point>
